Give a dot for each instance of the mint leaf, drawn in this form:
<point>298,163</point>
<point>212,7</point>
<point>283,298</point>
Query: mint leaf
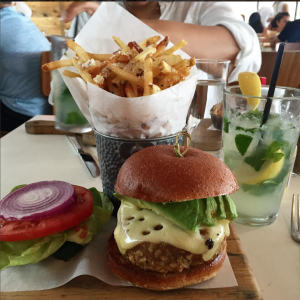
<point>274,147</point>
<point>277,157</point>
<point>257,159</point>
<point>272,152</point>
<point>226,125</point>
<point>251,130</point>
<point>242,143</point>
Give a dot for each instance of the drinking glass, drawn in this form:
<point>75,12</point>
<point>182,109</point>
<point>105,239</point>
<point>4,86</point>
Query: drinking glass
<point>68,116</point>
<point>260,157</point>
<point>212,79</point>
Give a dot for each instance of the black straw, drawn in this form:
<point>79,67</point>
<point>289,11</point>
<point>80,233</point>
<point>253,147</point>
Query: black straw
<point>273,83</point>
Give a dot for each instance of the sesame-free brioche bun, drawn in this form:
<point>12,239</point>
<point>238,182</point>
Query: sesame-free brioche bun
<point>159,281</point>
<point>156,174</point>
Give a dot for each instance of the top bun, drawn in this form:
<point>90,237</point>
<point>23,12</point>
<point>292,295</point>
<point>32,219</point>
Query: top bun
<point>156,174</point>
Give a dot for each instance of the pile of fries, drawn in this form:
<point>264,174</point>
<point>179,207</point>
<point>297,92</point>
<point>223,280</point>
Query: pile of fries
<point>133,71</point>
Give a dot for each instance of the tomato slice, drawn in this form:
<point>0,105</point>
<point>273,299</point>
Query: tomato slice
<point>13,231</point>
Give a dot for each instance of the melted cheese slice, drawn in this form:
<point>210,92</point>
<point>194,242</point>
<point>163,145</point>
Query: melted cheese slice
<point>137,226</point>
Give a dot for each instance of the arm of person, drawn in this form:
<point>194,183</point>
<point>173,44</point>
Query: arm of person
<point>77,8</point>
<point>285,7</point>
<point>203,41</point>
<point>274,42</point>
<point>219,33</point>
<point>283,35</point>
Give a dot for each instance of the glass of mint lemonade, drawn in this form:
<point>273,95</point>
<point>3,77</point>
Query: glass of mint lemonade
<point>260,157</point>
<point>68,116</point>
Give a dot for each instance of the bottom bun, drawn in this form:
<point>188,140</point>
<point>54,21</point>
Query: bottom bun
<point>158,281</point>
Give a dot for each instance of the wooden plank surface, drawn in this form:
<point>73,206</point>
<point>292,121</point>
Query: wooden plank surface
<point>289,70</point>
<point>47,127</point>
<point>87,287</point>
<point>46,14</point>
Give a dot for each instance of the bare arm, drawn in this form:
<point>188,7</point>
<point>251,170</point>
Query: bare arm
<point>203,41</point>
<point>285,8</point>
<point>274,42</point>
<point>76,8</point>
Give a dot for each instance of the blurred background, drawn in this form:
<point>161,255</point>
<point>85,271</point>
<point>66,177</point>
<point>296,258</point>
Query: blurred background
<point>46,14</point>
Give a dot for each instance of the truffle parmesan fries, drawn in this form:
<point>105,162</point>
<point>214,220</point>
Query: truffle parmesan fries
<point>133,71</point>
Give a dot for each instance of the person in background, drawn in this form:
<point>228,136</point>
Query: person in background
<point>23,8</point>
<point>266,15</point>
<point>279,21</point>
<point>280,6</point>
<point>21,44</point>
<point>289,34</point>
<point>255,22</point>
<point>257,25</point>
<point>212,29</point>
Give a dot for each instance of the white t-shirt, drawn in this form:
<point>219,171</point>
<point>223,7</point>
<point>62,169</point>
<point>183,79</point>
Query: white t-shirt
<point>278,7</point>
<point>209,14</point>
<point>266,12</point>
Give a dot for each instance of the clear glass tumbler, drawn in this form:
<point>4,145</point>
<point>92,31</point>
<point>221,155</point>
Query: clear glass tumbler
<point>68,116</point>
<point>212,79</point>
<point>261,157</point>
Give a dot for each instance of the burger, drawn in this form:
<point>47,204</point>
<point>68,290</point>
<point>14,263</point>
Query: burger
<point>173,220</point>
<point>49,218</point>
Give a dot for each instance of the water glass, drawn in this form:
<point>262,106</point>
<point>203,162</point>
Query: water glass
<point>261,157</point>
<point>212,79</point>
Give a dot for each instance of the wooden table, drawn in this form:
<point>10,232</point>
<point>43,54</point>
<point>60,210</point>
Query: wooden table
<point>270,250</point>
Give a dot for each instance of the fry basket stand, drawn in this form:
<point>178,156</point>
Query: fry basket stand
<point>112,153</point>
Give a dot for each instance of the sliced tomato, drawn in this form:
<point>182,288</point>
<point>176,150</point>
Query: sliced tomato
<point>13,231</point>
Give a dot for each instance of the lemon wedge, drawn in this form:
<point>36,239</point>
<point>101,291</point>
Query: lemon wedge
<point>250,85</point>
<point>269,170</point>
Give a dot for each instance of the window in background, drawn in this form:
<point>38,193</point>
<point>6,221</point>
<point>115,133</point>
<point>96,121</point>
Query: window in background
<point>292,7</point>
<point>298,10</point>
<point>245,8</point>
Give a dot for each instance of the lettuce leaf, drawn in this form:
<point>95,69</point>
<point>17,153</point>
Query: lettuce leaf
<point>33,251</point>
<point>190,214</point>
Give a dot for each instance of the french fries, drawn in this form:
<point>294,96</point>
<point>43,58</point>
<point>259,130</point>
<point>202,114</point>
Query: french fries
<point>148,75</point>
<point>134,70</point>
<point>84,74</point>
<point>150,41</point>
<point>57,65</point>
<point>71,74</point>
<point>161,46</point>
<point>130,93</point>
<point>78,50</point>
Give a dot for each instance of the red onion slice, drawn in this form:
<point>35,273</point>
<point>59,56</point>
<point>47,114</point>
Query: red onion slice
<point>38,200</point>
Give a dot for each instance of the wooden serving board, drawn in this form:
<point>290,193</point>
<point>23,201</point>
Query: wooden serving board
<point>87,287</point>
<point>47,127</point>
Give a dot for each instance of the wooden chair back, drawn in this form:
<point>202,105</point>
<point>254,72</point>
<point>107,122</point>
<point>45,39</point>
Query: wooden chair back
<point>45,76</point>
<point>289,71</point>
<point>292,47</point>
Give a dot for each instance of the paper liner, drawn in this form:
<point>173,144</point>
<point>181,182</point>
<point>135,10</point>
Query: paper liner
<point>161,114</point>
<point>51,273</point>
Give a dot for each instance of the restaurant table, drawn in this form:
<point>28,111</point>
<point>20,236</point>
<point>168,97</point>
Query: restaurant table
<point>273,254</point>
